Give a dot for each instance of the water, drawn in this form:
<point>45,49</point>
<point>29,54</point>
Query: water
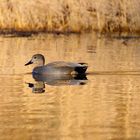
<point>106,106</point>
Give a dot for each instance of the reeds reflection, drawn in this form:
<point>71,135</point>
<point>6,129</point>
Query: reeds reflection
<point>106,108</point>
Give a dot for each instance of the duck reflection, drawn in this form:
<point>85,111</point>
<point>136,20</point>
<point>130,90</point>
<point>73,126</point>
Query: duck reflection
<point>56,80</point>
<point>38,87</point>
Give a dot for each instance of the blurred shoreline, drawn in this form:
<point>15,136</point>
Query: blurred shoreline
<point>70,16</point>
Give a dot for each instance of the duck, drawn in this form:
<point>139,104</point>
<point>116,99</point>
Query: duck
<point>57,67</point>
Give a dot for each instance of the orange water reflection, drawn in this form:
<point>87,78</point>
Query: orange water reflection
<point>106,107</point>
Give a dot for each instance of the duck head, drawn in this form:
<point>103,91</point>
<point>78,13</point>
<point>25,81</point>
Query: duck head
<point>37,59</point>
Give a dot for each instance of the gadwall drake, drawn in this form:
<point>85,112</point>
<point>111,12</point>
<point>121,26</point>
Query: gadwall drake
<point>58,67</point>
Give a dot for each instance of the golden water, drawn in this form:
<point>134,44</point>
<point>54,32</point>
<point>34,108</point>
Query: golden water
<point>107,107</point>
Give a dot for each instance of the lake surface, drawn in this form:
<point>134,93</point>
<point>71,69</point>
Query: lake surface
<point>105,106</point>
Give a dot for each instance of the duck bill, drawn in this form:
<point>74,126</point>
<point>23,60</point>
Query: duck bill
<point>30,62</point>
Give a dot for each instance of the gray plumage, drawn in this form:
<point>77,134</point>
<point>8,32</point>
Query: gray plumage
<point>58,67</point>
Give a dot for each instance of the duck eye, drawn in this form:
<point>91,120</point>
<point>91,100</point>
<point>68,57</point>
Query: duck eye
<point>35,57</point>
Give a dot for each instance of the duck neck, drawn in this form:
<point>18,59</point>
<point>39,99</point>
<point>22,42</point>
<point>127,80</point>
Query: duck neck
<point>40,63</point>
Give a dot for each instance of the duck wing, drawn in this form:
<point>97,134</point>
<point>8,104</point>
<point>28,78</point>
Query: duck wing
<point>69,66</point>
<point>66,64</point>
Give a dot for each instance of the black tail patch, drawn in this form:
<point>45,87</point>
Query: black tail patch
<point>81,70</point>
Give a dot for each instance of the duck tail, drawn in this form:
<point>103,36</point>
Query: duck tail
<point>81,69</point>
